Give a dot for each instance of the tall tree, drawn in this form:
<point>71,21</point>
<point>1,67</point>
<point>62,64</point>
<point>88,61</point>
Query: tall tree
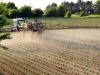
<point>97,6</point>
<point>2,8</point>
<point>53,5</point>
<point>80,5</point>
<point>37,13</point>
<point>89,7</point>
<point>25,11</point>
<point>61,11</point>
<point>11,5</point>
<point>66,6</point>
<point>71,9</point>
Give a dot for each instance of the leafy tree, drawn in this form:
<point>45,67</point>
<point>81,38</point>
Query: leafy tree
<point>53,5</point>
<point>66,6</point>
<point>3,21</point>
<point>11,5</point>
<point>51,12</point>
<point>37,13</point>
<point>2,8</point>
<point>25,11</point>
<point>71,7</point>
<point>6,13</point>
<point>48,6</point>
<point>14,13</point>
<point>79,1</point>
<point>61,11</point>
<point>89,7</point>
<point>97,6</point>
<point>3,36</point>
<point>79,6</point>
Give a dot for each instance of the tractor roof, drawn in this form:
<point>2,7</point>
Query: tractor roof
<point>19,19</point>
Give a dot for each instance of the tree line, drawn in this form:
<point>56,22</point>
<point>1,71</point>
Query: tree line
<point>65,9</point>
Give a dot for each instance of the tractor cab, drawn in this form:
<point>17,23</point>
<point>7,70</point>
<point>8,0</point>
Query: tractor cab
<point>18,20</point>
<point>18,23</point>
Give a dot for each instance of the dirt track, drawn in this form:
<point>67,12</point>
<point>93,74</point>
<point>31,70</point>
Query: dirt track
<point>53,52</point>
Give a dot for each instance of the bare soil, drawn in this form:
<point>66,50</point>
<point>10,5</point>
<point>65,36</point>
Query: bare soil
<point>53,52</point>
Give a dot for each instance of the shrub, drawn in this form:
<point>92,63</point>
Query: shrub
<point>51,12</point>
<point>68,15</point>
<point>82,14</point>
<point>37,13</point>
<point>3,21</point>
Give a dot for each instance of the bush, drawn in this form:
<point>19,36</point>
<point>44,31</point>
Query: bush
<point>10,5</point>
<point>3,20</point>
<point>51,12</point>
<point>68,15</point>
<point>82,14</point>
<point>37,13</point>
<point>6,13</point>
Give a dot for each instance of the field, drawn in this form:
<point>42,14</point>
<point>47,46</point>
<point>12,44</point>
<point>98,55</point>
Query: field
<point>63,23</point>
<point>53,52</point>
<point>54,23</point>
